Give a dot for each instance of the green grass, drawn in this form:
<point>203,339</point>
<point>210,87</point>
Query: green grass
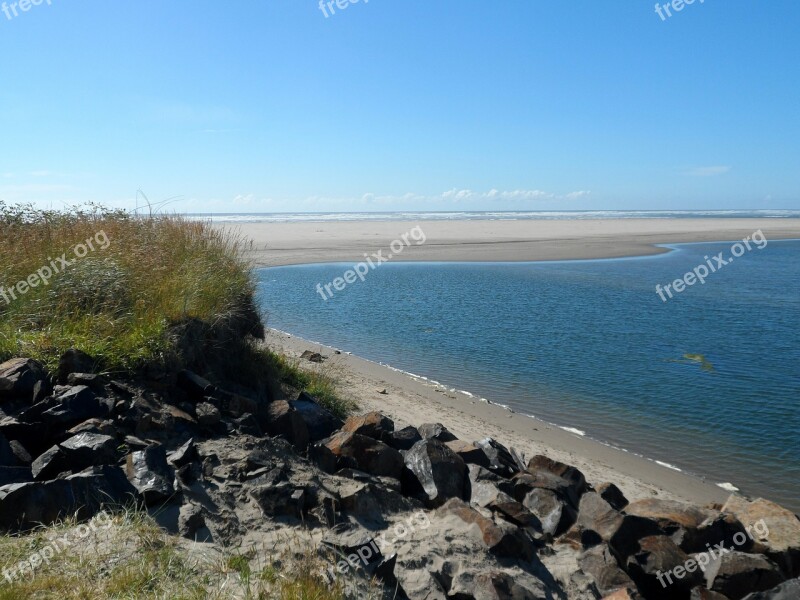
<point>121,301</point>
<point>320,382</point>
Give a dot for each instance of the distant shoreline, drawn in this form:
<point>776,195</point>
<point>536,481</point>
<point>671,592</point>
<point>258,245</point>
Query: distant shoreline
<point>294,243</point>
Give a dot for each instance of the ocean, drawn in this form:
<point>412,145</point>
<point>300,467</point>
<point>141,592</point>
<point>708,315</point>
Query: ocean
<point>707,382</point>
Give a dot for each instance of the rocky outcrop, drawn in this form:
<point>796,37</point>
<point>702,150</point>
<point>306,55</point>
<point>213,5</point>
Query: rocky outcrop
<point>428,514</point>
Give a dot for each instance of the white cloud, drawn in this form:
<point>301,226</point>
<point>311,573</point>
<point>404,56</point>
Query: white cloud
<point>708,171</point>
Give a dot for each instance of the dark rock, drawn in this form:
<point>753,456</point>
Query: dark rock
<point>190,520</point>
<point>514,512</point>
<point>495,585</point>
<point>469,453</point>
<point>7,457</point>
<point>74,361</point>
<point>285,421</point>
<point>321,422</point>
<point>404,439</point>
<point>539,466</point>
<point>701,593</point>
<point>21,454</point>
<point>234,404</point>
<point>183,455</point>
<point>50,464</point>
<point>434,473</point>
<point>776,530</point>
<point>208,415</point>
<point>9,475</point>
<point>315,357</point>
<point>100,426</point>
<point>483,486</point>
<point>613,495</point>
<point>90,380</point>
<point>661,569</point>
<point>435,431</point>
<point>370,454</point>
<point>28,505</point>
<point>355,546</point>
<point>675,519</point>
<point>41,390</point>
<point>150,474</point>
<point>195,386</point>
<point>501,461</point>
<point>74,406</point>
<point>736,574</point>
<point>723,529</point>
<point>625,540</point>
<point>555,515</point>
<point>247,424</point>
<point>602,566</point>
<point>597,516</point>
<point>280,500</point>
<point>374,425</point>
<point>18,378</point>
<point>502,541</point>
<point>89,450</point>
<point>789,590</point>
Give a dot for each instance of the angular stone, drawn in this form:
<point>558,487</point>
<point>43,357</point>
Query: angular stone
<point>208,415</point>
<point>595,515</point>
<point>497,585</point>
<point>736,574</point>
<point>74,406</point>
<point>150,474</point>
<point>371,455</point>
<point>7,458</point>
<point>674,518</point>
<point>555,515</point>
<point>373,424</point>
<point>776,530</point>
<point>74,361</point>
<point>514,512</point>
<point>502,540</point>
<point>483,486</point>
<point>27,505</point>
<point>613,495</point>
<point>195,386</point>
<point>286,421</point>
<point>656,556</point>
<point>435,431</point>
<point>321,422</point>
<point>434,473</point>
<point>501,461</point>
<point>280,500</point>
<point>789,590</point>
<point>603,567</point>
<point>469,453</point>
<point>184,455</point>
<point>404,439</point>
<point>18,378</point>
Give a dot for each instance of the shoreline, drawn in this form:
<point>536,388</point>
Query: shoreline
<point>296,243</point>
<point>412,399</point>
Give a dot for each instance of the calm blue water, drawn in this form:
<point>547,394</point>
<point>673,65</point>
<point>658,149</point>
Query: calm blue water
<point>590,345</point>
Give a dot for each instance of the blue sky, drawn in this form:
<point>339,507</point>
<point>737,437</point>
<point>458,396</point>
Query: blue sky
<point>401,105</point>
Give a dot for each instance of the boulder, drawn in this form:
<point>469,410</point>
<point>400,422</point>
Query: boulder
<point>434,473</point>
<point>74,361</point>
<point>285,421</point>
<point>483,486</point>
<point>280,500</point>
<point>370,455</point>
<point>195,386</point>
<point>321,422</point>
<point>603,567</point>
<point>9,475</point>
<point>676,519</point>
<point>374,425</point>
<point>150,474</point>
<point>28,505</point>
<point>404,439</point>
<point>183,455</point>
<point>90,380</point>
<point>776,530</point>
<point>501,461</point>
<point>503,540</point>
<point>435,431</point>
<point>208,415</point>
<point>470,453</point>
<point>72,406</point>
<point>723,529</point>
<point>497,585</point>
<point>661,569</point>
<point>310,356</point>
<point>50,464</point>
<point>18,378</point>
<point>597,520</point>
<point>737,574</point>
<point>555,515</point>
<point>88,450</point>
<point>613,495</point>
<point>514,512</point>
<point>788,590</point>
<point>7,457</point>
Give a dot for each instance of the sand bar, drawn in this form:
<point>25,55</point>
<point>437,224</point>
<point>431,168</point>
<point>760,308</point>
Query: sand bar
<point>275,244</point>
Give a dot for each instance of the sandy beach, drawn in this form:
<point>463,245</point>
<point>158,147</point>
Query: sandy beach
<point>275,244</point>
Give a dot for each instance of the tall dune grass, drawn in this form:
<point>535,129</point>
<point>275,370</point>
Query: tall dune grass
<point>118,304</point>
